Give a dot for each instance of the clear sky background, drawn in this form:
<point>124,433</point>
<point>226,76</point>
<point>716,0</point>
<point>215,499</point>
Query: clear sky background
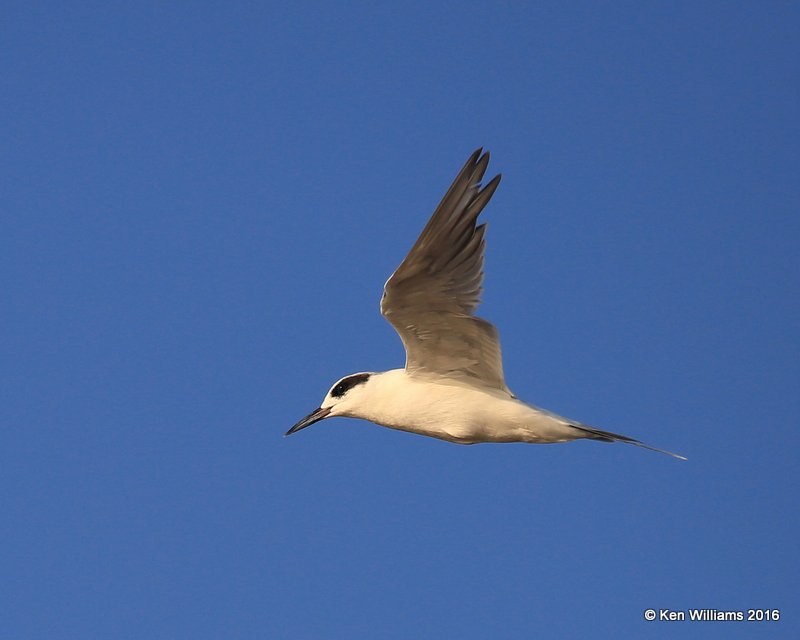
<point>200,204</point>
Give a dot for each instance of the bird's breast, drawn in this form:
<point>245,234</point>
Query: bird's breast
<point>449,412</point>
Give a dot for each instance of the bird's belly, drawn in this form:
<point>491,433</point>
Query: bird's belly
<point>467,416</point>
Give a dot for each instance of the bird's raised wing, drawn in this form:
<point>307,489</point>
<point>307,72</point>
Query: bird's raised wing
<point>432,295</point>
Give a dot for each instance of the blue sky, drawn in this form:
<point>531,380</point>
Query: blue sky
<point>200,204</point>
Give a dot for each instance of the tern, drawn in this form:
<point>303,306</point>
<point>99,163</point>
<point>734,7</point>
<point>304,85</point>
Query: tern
<point>452,386</point>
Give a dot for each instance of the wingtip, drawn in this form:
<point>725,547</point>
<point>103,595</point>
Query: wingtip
<point>479,156</point>
<point>473,158</point>
<point>494,182</point>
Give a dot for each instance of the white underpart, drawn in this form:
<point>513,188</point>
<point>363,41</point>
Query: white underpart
<point>450,411</point>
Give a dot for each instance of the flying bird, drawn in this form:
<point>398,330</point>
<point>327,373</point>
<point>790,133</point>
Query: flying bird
<point>452,386</point>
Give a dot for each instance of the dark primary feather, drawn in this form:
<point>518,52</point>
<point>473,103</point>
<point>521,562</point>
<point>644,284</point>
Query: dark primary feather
<point>431,296</point>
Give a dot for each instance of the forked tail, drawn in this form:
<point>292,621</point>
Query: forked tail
<point>607,436</point>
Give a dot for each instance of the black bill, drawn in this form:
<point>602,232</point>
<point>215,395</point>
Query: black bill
<point>311,418</point>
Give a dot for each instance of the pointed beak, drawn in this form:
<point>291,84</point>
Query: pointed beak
<point>311,418</point>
